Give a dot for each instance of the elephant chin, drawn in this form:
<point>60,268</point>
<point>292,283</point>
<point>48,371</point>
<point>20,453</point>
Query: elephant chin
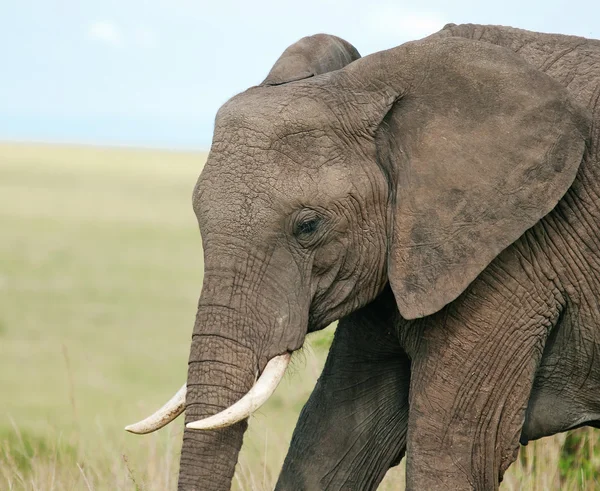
<point>253,400</point>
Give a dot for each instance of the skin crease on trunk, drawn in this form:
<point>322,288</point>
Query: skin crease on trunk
<point>298,205</point>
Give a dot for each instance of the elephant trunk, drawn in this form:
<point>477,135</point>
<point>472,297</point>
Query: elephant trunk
<point>240,348</point>
<point>233,368</point>
<point>221,370</point>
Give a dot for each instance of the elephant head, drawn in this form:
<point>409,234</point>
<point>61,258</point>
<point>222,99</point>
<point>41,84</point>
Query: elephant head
<point>337,175</point>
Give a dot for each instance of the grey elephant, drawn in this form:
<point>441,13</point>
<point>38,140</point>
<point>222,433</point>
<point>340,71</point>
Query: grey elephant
<point>442,199</point>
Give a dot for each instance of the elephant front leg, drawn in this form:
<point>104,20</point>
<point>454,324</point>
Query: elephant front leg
<point>353,427</point>
<point>473,366</point>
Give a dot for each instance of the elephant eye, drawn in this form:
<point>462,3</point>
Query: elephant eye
<point>307,226</point>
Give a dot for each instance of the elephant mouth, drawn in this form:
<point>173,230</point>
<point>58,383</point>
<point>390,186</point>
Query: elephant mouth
<point>260,392</point>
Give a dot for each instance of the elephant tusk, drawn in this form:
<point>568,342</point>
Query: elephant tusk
<point>173,408</point>
<point>256,397</point>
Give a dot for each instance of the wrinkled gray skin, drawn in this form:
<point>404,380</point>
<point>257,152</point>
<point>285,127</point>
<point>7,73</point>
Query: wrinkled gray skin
<point>443,199</point>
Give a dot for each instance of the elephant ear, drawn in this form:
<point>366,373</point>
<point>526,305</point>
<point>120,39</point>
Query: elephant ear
<point>312,55</point>
<point>478,146</point>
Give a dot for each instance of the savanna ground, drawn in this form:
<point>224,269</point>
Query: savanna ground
<point>100,270</point>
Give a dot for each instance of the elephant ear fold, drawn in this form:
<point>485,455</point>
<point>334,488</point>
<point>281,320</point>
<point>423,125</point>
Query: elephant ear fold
<point>312,55</point>
<point>478,148</point>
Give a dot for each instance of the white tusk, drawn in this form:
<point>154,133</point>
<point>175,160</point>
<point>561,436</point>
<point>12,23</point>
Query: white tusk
<point>256,397</point>
<point>173,408</point>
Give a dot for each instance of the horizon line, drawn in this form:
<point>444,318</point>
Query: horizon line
<point>99,145</point>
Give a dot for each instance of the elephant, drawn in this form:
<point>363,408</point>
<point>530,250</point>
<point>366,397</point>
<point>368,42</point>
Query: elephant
<point>441,199</point>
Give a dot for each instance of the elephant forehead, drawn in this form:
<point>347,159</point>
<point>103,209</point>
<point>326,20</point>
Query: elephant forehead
<point>261,140</point>
<point>273,151</point>
<point>243,158</point>
<point>266,114</point>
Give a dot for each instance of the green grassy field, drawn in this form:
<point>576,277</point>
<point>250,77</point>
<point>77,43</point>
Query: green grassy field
<point>100,270</point>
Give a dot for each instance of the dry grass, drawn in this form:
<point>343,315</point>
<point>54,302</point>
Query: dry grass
<point>100,268</point>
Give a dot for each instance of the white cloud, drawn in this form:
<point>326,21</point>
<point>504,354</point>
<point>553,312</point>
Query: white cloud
<point>396,21</point>
<point>105,32</point>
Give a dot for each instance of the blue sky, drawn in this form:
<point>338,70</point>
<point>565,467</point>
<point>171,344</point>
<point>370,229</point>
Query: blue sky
<point>154,72</point>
